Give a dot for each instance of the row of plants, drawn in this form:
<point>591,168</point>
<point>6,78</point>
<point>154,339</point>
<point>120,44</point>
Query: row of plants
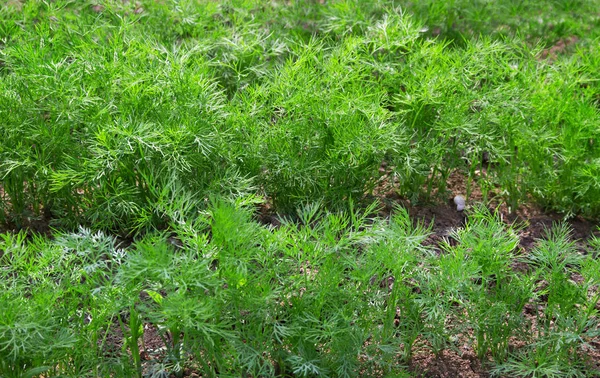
<point>547,22</point>
<point>112,110</point>
<point>341,294</point>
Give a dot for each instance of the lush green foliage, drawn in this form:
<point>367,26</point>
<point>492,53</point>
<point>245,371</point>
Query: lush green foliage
<point>544,21</point>
<point>112,111</point>
<point>167,122</point>
<point>334,294</point>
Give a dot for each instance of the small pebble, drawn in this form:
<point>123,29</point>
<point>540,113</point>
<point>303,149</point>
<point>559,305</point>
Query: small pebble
<point>460,203</point>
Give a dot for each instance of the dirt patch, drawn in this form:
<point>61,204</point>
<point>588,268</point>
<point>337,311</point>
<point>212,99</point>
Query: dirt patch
<point>113,344</point>
<point>153,345</point>
<point>443,217</point>
<point>448,365</point>
<point>562,46</point>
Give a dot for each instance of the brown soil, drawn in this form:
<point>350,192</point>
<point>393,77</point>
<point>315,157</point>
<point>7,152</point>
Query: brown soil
<point>450,364</point>
<point>562,46</point>
<point>443,217</point>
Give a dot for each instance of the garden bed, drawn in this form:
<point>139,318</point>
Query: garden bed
<point>250,188</point>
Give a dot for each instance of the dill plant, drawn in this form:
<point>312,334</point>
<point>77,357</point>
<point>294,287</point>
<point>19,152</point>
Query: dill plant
<point>111,112</point>
<point>565,312</point>
<point>332,293</point>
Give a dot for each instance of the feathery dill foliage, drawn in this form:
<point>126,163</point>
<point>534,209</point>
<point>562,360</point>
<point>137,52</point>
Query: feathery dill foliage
<point>168,121</point>
<point>112,110</point>
<point>335,294</point>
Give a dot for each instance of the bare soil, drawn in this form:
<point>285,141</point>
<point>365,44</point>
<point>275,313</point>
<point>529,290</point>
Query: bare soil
<point>443,217</point>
